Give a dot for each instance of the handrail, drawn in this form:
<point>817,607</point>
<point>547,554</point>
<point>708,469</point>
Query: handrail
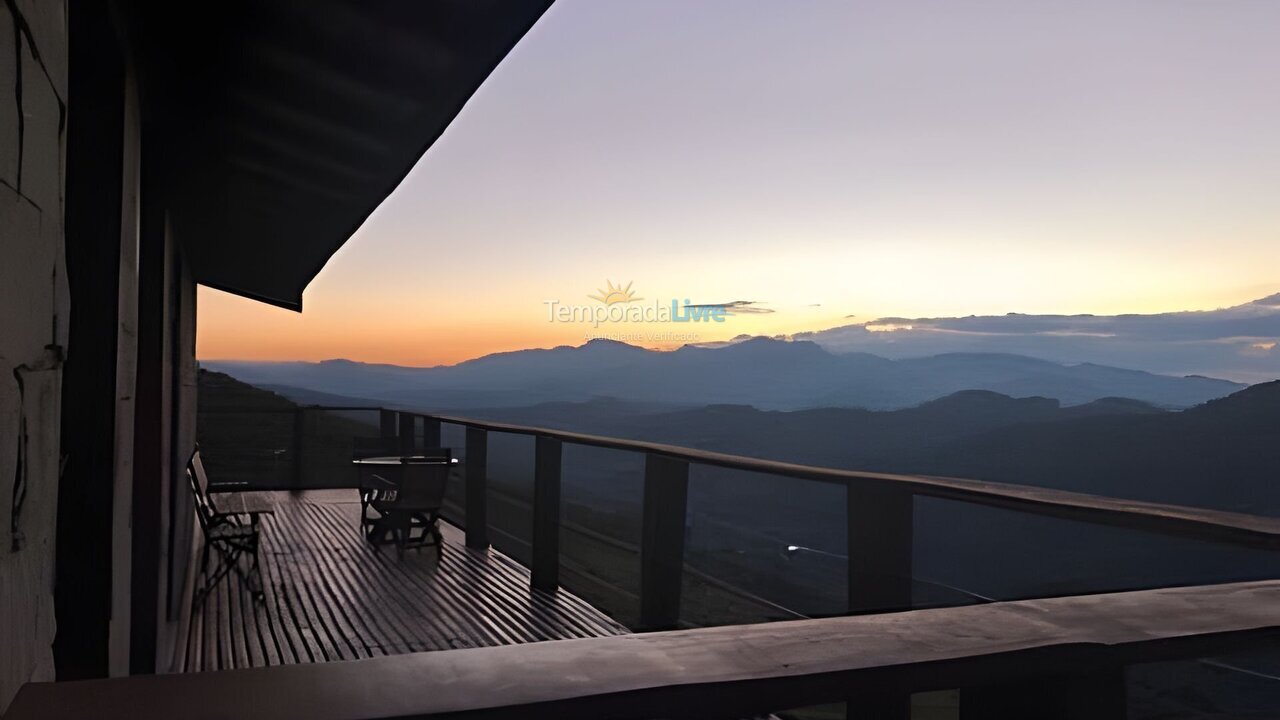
<point>732,671</point>
<point>1256,531</point>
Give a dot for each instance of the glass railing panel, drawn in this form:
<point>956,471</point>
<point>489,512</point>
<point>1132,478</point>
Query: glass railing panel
<point>601,492</point>
<point>511,494</point>
<point>1240,685</point>
<point>251,449</point>
<point>1006,555</point>
<point>453,437</point>
<point>328,440</point>
<point>762,547</point>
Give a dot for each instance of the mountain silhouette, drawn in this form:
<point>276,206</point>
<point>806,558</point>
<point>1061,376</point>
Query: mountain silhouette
<point>1223,454</point>
<point>762,372</point>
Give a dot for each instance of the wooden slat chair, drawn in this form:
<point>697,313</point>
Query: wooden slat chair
<point>408,508</point>
<point>368,483</point>
<point>231,535</point>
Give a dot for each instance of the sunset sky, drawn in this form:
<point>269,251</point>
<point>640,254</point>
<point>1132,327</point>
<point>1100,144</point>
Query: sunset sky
<point>823,159</point>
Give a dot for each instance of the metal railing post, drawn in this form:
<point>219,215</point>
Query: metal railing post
<point>387,424</point>
<point>666,494</point>
<point>299,430</point>
<point>880,533</point>
<point>545,567</point>
<point>430,432</point>
<point>406,432</point>
<point>477,492</point>
<point>880,530</point>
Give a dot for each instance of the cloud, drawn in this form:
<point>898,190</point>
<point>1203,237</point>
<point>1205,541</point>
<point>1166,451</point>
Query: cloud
<point>1229,342</point>
<point>737,307</point>
<point>1257,319</point>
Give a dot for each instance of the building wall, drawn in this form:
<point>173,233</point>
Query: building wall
<point>33,329</point>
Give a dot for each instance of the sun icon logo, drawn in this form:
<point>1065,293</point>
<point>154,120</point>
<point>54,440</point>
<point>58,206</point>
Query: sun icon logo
<point>614,294</point>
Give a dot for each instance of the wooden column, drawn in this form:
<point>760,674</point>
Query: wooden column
<point>477,488</point>
<point>880,547</point>
<point>545,568</point>
<point>1099,694</point>
<point>430,433</point>
<point>406,433</point>
<point>152,459</point>
<point>666,493</point>
<point>92,216</point>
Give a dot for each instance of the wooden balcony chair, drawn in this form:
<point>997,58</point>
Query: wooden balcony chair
<point>367,447</point>
<point>230,535</point>
<point>406,503</point>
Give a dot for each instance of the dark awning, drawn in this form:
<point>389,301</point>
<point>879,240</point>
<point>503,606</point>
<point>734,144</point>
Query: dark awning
<point>286,122</point>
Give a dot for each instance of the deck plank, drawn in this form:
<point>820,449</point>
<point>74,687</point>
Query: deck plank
<point>307,566</point>
<point>420,631</point>
<point>298,599</point>
<point>239,655</point>
<point>288,640</point>
<point>356,610</point>
<point>331,596</point>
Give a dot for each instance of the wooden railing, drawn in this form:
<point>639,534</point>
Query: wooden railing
<point>880,506</point>
<point>879,509</point>
<point>1056,658</point>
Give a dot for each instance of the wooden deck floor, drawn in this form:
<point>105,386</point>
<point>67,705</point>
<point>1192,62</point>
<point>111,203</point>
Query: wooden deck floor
<point>331,596</point>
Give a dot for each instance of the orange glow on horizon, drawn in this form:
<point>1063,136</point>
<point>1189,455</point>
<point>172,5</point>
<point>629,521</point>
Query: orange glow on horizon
<point>235,328</point>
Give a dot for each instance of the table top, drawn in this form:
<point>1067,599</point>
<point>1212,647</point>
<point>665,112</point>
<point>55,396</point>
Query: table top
<point>404,460</point>
<point>244,503</point>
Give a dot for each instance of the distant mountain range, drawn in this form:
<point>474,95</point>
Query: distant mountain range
<point>765,373</point>
<point>1240,342</point>
<point>1221,454</point>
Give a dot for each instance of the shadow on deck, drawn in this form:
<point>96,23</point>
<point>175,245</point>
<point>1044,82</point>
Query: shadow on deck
<point>331,596</point>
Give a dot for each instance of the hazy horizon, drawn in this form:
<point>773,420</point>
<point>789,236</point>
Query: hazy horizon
<point>1234,343</point>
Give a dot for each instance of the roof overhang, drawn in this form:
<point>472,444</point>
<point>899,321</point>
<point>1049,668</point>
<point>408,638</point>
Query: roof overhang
<point>286,123</point>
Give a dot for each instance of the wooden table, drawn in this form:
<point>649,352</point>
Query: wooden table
<point>384,499</point>
<point>239,502</point>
